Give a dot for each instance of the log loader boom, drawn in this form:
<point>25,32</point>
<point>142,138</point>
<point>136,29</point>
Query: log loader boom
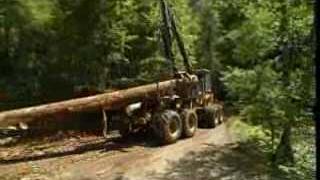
<point>169,31</point>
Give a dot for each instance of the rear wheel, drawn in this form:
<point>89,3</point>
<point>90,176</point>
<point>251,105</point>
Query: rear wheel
<point>189,122</point>
<point>168,126</point>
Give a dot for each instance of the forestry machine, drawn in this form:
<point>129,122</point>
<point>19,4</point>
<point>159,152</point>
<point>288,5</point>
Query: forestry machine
<point>171,109</point>
<point>179,110</point>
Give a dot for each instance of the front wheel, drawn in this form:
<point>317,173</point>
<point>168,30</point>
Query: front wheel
<point>168,126</point>
<point>209,118</point>
<point>212,116</point>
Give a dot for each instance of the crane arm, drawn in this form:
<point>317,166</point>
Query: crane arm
<point>169,31</point>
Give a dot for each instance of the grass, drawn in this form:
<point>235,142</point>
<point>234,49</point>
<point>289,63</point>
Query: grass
<point>303,142</point>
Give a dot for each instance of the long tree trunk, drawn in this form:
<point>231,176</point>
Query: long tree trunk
<point>107,101</point>
<point>284,152</point>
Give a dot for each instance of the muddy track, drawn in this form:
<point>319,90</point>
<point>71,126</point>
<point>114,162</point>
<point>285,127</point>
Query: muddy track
<point>129,159</point>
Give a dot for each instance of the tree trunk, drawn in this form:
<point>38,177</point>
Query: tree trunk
<point>107,101</point>
<point>284,151</point>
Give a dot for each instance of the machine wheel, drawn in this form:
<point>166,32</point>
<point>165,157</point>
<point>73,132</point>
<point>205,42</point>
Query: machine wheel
<point>189,122</point>
<point>218,110</point>
<point>212,118</point>
<point>213,115</point>
<point>168,126</point>
<point>209,117</point>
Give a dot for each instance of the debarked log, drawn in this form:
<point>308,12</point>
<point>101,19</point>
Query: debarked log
<point>107,101</point>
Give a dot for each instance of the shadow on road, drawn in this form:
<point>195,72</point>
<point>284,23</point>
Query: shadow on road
<point>232,161</point>
<point>47,155</point>
<point>101,145</point>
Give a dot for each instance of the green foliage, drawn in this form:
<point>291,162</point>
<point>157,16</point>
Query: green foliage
<point>96,43</point>
<point>259,52</point>
<point>274,88</point>
<point>304,147</point>
<point>269,74</point>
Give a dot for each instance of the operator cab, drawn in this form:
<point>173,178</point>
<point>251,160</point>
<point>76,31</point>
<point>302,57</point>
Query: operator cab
<point>204,76</point>
<point>204,88</point>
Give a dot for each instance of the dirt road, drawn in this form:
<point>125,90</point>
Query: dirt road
<point>131,159</point>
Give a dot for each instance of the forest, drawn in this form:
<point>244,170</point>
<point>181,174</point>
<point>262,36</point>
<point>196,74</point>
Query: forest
<point>260,54</point>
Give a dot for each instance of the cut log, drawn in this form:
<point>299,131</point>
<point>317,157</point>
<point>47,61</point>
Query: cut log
<point>107,101</point>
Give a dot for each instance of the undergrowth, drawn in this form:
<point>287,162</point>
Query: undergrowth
<point>303,141</point>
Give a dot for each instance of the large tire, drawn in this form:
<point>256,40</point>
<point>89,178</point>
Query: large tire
<point>168,126</point>
<point>189,122</point>
<point>213,115</point>
<point>209,117</point>
<point>218,110</point>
